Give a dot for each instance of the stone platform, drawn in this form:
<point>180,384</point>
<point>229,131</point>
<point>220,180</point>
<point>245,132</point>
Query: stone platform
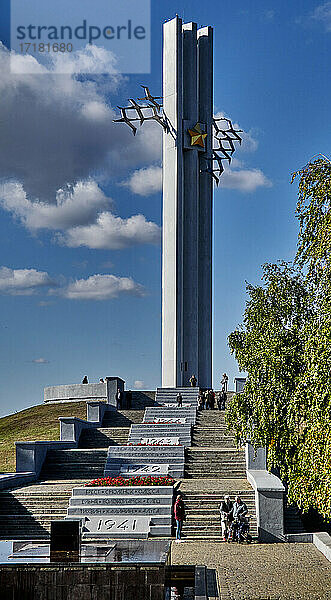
<point>261,571</point>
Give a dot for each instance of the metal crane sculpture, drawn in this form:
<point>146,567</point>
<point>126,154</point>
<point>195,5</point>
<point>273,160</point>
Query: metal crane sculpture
<point>149,111</point>
<point>224,134</point>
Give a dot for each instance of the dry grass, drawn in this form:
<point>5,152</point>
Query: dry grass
<point>36,423</point>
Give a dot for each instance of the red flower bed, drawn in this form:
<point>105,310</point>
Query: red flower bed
<point>133,481</point>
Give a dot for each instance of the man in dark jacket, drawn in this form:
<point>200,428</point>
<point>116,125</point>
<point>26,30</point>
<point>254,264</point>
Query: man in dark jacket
<point>119,398</point>
<point>226,512</point>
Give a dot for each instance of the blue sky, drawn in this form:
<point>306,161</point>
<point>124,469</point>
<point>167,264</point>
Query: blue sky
<point>80,270</point>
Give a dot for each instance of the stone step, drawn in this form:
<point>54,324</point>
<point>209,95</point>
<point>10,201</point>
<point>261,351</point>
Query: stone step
<point>207,529</point>
<point>212,508</point>
<point>221,475</point>
<point>214,504</point>
<point>122,418</point>
<point>223,466</point>
<point>104,437</point>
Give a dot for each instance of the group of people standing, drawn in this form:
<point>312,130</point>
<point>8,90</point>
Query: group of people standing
<point>233,518</point>
<point>208,399</point>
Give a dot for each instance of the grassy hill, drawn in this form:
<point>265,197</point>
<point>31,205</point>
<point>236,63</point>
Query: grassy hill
<point>37,423</point>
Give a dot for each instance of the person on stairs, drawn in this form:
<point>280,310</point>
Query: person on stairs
<point>193,381</point>
<point>119,399</point>
<point>179,399</point>
<point>211,399</point>
<point>226,515</point>
<point>224,382</point>
<point>180,516</point>
<point>223,398</point>
<point>85,380</point>
<point>240,511</point>
<point>201,401</point>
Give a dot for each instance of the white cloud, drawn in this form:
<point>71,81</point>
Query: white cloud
<point>113,233</point>
<point>268,15</point>
<point>101,287</point>
<point>138,384</point>
<point>322,13</point>
<point>145,181</point>
<point>238,176</point>
<point>54,139</point>
<point>244,180</point>
<point>78,205</point>
<point>79,217</point>
<point>91,59</point>
<point>23,282</point>
<point>40,361</point>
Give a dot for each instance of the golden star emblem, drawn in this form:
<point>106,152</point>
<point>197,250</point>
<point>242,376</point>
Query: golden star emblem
<point>197,136</point>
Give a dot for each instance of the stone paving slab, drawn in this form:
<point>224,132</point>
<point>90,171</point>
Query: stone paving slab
<point>261,571</point>
<point>214,485</point>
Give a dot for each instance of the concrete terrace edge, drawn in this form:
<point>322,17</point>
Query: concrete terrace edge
<point>321,540</point>
<point>10,480</point>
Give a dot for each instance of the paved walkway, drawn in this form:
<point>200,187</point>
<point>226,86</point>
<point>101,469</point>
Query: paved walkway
<point>261,571</point>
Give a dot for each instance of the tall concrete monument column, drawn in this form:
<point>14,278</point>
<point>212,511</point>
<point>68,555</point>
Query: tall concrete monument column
<point>187,204</point>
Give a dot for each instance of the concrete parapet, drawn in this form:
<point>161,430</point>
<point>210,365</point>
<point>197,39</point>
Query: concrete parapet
<point>256,460</point>
<point>30,456</point>
<point>86,391</point>
<point>269,502</point>
<point>71,427</point>
<point>10,480</point>
<point>76,391</point>
<point>95,412</point>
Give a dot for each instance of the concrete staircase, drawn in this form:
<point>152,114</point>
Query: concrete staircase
<point>213,453</point>
<point>114,431</point>
<point>74,464</point>
<point>292,519</point>
<point>203,517</point>
<point>26,513</point>
<point>122,418</point>
<point>214,466</point>
<point>169,395</point>
<point>212,463</point>
<point>103,437</point>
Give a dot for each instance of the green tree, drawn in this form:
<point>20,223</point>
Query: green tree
<point>285,346</point>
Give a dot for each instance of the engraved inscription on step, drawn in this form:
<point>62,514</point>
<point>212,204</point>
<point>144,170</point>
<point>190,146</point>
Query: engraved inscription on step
<point>120,501</point>
<point>127,510</point>
<point>166,441</point>
<point>145,469</point>
<point>118,491</point>
<point>117,525</point>
<point>180,421</point>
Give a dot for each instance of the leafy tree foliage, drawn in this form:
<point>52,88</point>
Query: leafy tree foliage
<point>285,346</point>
